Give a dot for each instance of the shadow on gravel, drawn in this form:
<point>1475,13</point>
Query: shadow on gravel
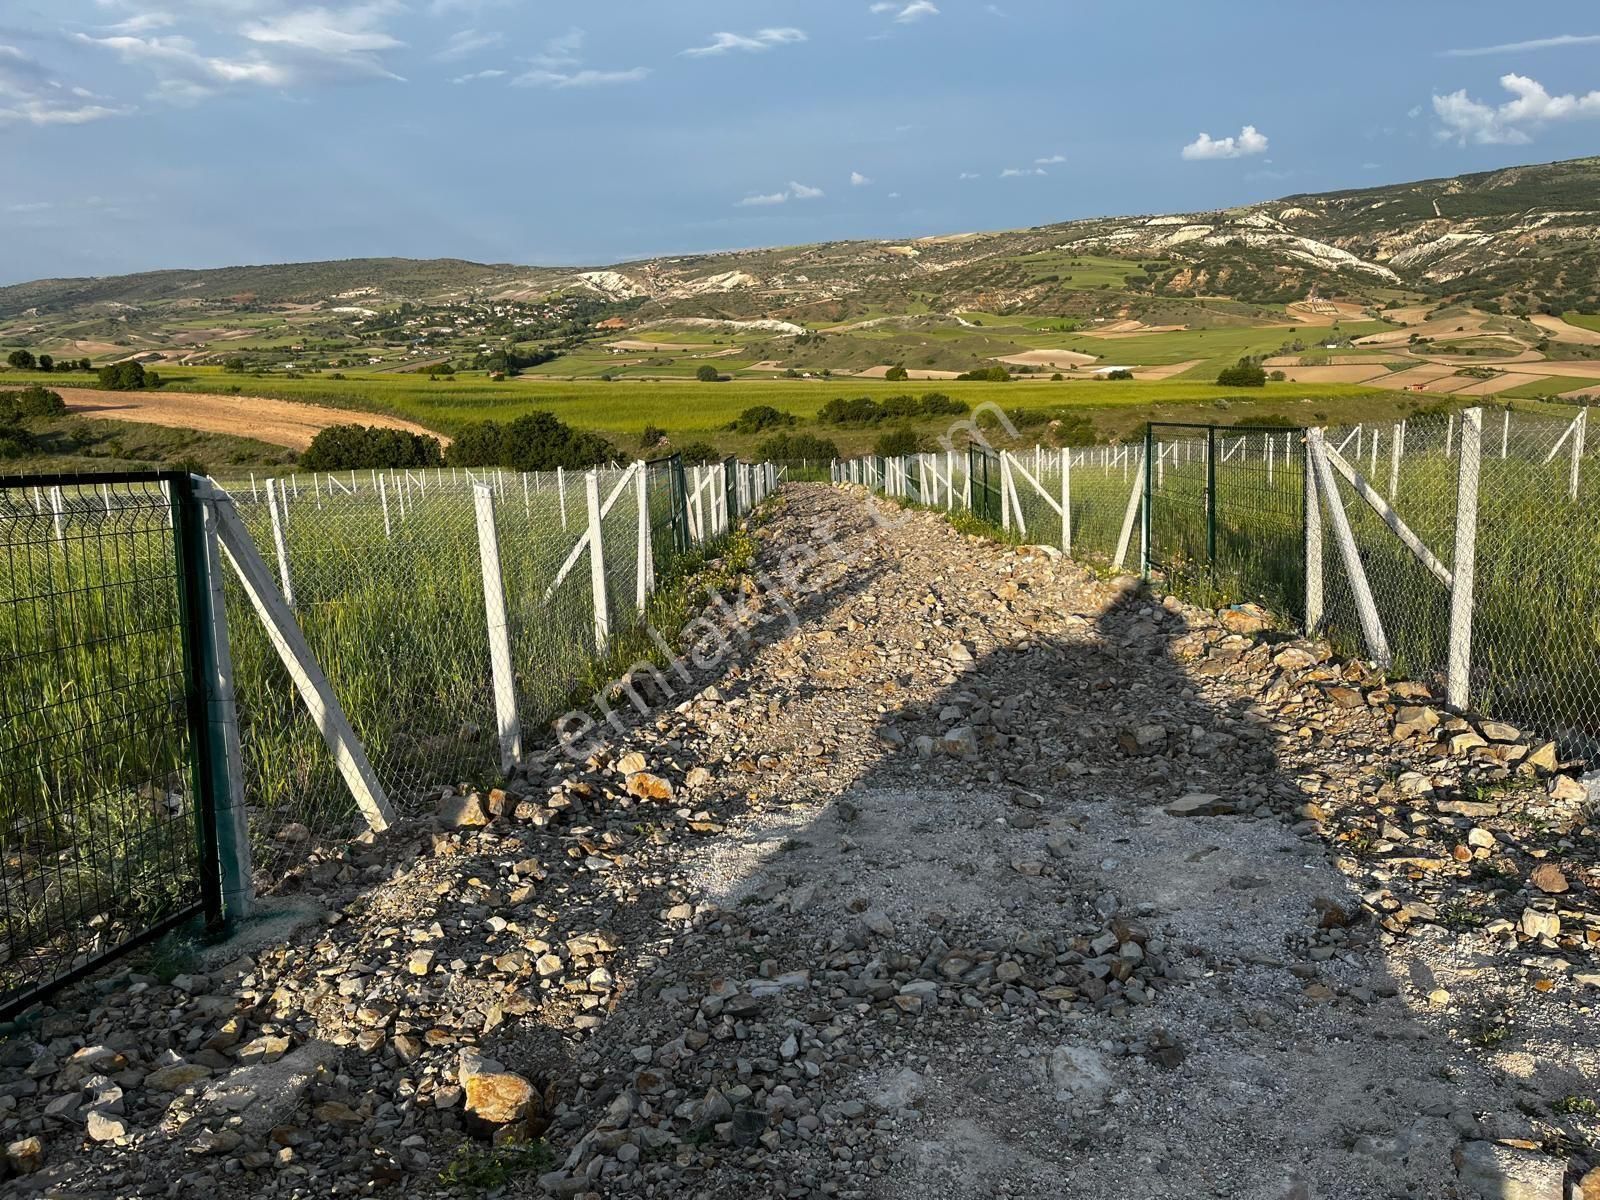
<point>1035,920</point>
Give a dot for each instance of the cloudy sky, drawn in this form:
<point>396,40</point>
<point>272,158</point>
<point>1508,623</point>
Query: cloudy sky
<point>138,134</point>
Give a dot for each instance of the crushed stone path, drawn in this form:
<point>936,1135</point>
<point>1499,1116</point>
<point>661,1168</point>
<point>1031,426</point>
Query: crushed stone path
<point>980,876</point>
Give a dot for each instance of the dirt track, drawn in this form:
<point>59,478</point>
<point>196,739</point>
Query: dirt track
<point>281,422</point>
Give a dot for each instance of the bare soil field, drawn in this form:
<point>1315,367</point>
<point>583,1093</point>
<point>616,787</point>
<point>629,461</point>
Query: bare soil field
<point>880,371</point>
<point>281,422</point>
<point>1346,360</point>
<point>1354,373</point>
<point>1501,383</point>
<point>1166,370</point>
<point>1128,329</point>
<point>1058,359</point>
<point>1562,331</point>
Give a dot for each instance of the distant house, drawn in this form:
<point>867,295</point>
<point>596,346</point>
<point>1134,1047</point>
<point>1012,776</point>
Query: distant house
<point>612,323</point>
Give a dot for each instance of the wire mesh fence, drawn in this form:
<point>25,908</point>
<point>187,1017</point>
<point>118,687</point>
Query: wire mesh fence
<point>1533,652</point>
<point>1223,519</point>
<point>413,604</point>
<point>101,837</point>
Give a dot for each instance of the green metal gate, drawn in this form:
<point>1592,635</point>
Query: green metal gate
<point>983,474</point>
<point>1224,512</point>
<point>107,813</point>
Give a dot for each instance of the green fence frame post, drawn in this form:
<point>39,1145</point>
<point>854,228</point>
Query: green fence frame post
<point>1211,499</point>
<point>215,770</point>
<point>1149,499</point>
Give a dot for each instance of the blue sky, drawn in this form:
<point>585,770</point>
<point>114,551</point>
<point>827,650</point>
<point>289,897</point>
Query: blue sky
<point>139,134</point>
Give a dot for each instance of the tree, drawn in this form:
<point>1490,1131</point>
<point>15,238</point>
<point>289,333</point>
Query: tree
<point>22,360</point>
<point>85,365</point>
<point>128,377</point>
<point>46,363</point>
<point>708,374</point>
<point>233,366</point>
<point>896,374</point>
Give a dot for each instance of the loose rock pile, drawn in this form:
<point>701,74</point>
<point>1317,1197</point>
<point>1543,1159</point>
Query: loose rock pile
<point>964,870</point>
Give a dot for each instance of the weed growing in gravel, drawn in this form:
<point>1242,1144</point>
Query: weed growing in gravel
<point>1576,1106</point>
<point>483,1168</point>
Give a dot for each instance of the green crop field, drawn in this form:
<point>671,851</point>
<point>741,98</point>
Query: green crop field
<point>1583,320</point>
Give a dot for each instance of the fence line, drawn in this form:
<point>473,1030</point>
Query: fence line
<point>150,693</point>
<point>1472,563</point>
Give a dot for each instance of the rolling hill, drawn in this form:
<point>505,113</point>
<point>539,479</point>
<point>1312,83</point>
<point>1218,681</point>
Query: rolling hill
<point>1520,240</point>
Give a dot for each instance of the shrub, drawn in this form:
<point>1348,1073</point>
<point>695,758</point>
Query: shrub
<point>365,447</point>
<point>31,401</point>
<point>897,442</point>
<point>535,442</point>
<point>896,374</point>
<point>699,452</point>
<point>652,436</point>
<point>995,374</point>
<point>791,447</point>
<point>761,418</point>
<point>863,410</point>
<point>708,374</point>
<point>1073,429</point>
<point>1119,373</point>
<point>1244,374</point>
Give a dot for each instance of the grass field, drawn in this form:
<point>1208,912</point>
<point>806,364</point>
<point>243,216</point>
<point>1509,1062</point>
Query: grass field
<point>1583,320</point>
<point>693,411</point>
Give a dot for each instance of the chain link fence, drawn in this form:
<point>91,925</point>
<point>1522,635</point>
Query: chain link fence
<point>1222,515</point>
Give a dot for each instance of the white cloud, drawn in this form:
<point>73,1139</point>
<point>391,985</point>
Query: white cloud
<point>476,75</point>
<point>762,39</point>
<point>1464,119</point>
<point>1548,43</point>
<point>563,51</point>
<point>560,65</point>
<point>468,42</point>
<point>273,43</point>
<point>1022,172</point>
<point>969,175</point>
<point>31,95</point>
<point>1250,141</point>
<point>857,179</point>
<point>1051,161</point>
<point>334,32</point>
<point>906,13</point>
<point>795,191</point>
<point>581,78</point>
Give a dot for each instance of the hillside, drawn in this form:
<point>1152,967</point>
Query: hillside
<point>1523,237</point>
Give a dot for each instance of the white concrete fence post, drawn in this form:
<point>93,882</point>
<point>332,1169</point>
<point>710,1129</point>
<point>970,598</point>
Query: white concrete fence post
<point>597,563</point>
<point>645,576</point>
<point>285,581</point>
<point>1458,678</point>
<point>1313,547</point>
<point>507,720</point>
